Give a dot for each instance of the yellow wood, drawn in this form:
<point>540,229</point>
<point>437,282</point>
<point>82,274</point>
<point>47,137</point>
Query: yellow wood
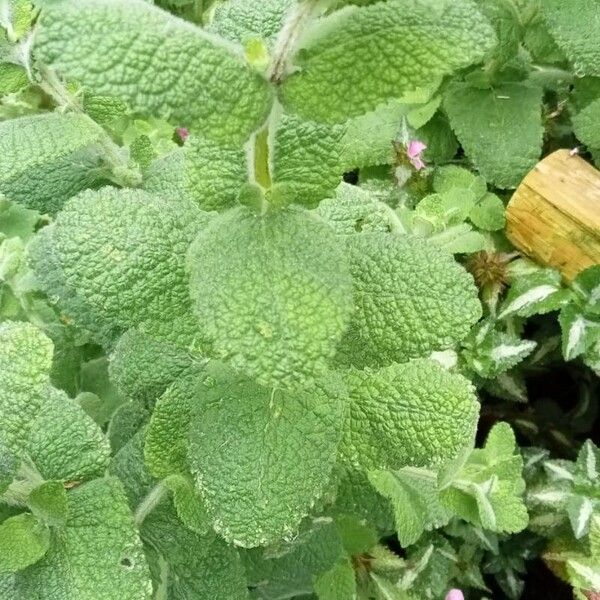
<point>554,215</point>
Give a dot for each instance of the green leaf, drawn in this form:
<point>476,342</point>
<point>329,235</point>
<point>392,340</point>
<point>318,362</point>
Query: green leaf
<point>210,174</point>
<point>580,511</point>
<point>506,21</point>
<point>244,22</point>
<point>260,463</point>
<point>385,427</point>
<point>585,125</point>
<point>337,584</point>
<point>566,22</point>
<point>97,554</point>
<point>490,352</point>
<point>115,259</point>
<point>48,501</point>
<point>13,78</point>
<point>411,299</point>
<point>379,49</point>
<point>415,499</point>
<point>187,566</point>
<point>353,210</point>
<point>488,491</point>
<point>488,214</point>
<point>290,568</point>
<point>368,138</point>
<point>500,128</point>
<point>166,446</point>
<point>459,239</point>
<point>142,368</point>
<point>9,465</point>
<point>48,158</point>
<point>587,287</point>
<point>273,308</point>
<point>64,443</point>
<point>536,293</point>
<point>25,360</point>
<point>23,541</point>
<point>588,462</point>
<point>305,161</point>
<point>451,177</point>
<point>170,62</point>
<point>579,334</point>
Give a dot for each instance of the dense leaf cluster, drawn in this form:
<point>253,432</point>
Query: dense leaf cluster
<point>225,372</point>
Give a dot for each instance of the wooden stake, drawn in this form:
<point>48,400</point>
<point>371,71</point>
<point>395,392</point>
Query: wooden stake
<point>554,215</point>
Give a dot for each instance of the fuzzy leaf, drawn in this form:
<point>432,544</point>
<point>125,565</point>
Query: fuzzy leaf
<point>379,49</point>
<point>386,428</point>
<point>243,439</point>
<point>165,66</point>
<point>500,129</point>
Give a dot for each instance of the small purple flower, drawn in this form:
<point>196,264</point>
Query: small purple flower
<point>455,595</point>
<point>183,133</point>
<point>414,150</point>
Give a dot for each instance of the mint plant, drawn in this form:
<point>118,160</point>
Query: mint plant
<point>252,297</point>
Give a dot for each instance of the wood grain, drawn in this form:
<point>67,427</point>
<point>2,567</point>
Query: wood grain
<point>554,215</point>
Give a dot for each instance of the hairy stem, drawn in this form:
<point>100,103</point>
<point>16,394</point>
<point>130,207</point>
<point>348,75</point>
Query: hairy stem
<point>117,158</point>
<point>149,503</point>
<point>288,38</point>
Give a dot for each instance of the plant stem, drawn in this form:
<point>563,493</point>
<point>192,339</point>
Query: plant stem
<point>287,40</point>
<point>149,503</point>
<point>117,158</point>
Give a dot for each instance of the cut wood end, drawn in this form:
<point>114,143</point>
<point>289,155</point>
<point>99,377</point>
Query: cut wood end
<point>554,215</point>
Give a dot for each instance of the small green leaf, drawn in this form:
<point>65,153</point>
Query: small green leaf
<point>488,214</point>
<point>415,498</point>
<point>48,501</point>
<point>337,584</point>
<point>23,541</point>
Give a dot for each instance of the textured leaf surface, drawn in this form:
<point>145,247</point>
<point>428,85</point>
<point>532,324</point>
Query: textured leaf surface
<point>414,414</point>
<point>244,442</point>
<point>119,261</point>
<point>166,448</point>
<point>585,125</point>
<point>500,129</point>
<point>157,63</point>
<point>25,360</point>
<point>191,567</point>
<point>23,541</point>
<point>242,21</point>
<point>411,299</point>
<point>64,443</point>
<point>378,49</point>
<point>489,488</point>
<point>352,210</point>
<point>415,500</point>
<point>337,584</point>
<point>305,159</point>
<point>208,173</point>
<point>48,158</point>
<point>96,555</point>
<point>142,368</point>
<point>273,307</point>
<point>575,25</point>
<point>289,568</point>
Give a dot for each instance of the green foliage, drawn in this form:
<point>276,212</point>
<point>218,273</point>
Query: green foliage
<point>255,293</point>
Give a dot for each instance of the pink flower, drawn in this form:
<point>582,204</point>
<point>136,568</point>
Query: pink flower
<point>414,150</point>
<point>183,133</point>
<point>455,595</point>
